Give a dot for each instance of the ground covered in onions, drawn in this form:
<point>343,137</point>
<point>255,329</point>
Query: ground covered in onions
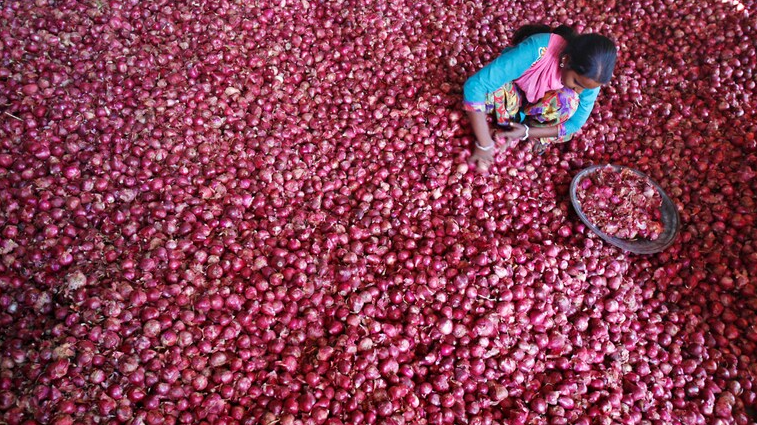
<point>220,212</point>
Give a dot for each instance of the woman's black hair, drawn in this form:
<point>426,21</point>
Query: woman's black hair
<point>526,31</point>
<point>590,55</point>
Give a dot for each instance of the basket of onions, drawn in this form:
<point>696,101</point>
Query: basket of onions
<point>625,208</point>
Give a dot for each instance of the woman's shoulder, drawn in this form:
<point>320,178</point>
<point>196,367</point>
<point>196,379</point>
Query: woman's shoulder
<point>537,44</point>
<point>539,40</point>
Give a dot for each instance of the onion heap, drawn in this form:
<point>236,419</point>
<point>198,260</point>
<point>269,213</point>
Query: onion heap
<point>227,211</point>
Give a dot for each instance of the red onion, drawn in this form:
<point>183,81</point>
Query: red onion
<point>243,214</point>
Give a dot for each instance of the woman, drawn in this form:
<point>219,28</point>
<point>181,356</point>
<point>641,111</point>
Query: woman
<point>545,86</point>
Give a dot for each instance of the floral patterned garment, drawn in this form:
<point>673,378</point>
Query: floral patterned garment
<point>556,107</point>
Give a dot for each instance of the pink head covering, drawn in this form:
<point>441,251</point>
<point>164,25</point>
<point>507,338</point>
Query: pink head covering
<point>544,75</point>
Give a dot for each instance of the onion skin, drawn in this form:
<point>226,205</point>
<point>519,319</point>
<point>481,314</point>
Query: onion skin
<point>621,204</point>
<point>237,213</point>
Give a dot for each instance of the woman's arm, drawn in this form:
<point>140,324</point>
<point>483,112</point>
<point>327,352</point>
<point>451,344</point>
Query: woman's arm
<point>483,153</point>
<point>519,131</point>
<point>480,129</point>
<point>586,101</point>
<point>539,132</point>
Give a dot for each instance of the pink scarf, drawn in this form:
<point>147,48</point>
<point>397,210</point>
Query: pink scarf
<point>545,74</point>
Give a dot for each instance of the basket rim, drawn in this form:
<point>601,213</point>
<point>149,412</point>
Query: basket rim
<point>642,246</point>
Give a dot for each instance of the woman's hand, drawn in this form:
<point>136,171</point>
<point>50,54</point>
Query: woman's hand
<point>512,136</point>
<point>501,137</point>
<point>482,159</point>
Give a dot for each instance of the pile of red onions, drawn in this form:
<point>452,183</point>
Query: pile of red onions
<point>231,212</point>
<point>621,203</point>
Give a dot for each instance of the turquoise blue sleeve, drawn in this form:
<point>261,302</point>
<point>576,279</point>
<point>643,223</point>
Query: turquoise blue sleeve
<point>585,105</point>
<point>510,65</point>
